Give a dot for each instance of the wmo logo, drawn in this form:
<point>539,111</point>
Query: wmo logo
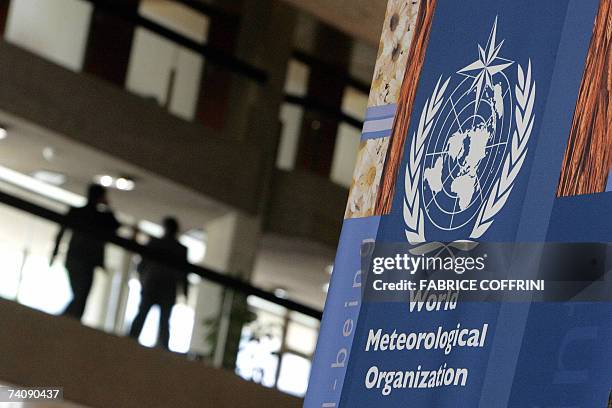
<point>469,147</point>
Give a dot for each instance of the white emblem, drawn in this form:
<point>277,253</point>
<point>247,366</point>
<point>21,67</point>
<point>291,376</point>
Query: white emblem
<point>468,148</point>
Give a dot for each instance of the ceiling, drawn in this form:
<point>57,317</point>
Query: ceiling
<point>362,19</point>
<point>153,198</point>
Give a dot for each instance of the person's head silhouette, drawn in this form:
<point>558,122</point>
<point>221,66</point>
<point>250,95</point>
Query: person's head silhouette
<point>96,194</point>
<point>171,227</point>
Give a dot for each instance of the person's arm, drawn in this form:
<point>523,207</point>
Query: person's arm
<point>58,240</point>
<point>184,282</point>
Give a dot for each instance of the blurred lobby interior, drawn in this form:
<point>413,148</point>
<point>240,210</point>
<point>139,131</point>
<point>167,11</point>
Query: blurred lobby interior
<point>241,118</point>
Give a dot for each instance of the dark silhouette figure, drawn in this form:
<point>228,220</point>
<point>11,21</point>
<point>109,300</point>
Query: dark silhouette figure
<point>85,251</point>
<point>160,282</point>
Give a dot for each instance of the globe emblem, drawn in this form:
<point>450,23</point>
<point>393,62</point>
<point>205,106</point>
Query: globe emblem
<point>469,139</point>
<point>467,151</point>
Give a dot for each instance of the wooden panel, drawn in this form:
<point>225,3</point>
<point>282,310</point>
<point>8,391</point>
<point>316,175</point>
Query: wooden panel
<point>588,157</point>
<point>4,5</point>
<point>319,130</point>
<point>109,44</point>
<point>216,82</point>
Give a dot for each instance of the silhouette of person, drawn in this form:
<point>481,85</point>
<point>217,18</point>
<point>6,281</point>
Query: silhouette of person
<point>85,251</point>
<point>160,282</point>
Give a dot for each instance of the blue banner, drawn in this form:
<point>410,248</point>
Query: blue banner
<point>477,151</point>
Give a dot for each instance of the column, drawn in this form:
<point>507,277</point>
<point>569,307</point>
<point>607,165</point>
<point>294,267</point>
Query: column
<point>231,248</point>
<point>265,40</point>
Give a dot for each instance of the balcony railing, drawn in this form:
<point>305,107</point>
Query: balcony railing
<point>278,334</point>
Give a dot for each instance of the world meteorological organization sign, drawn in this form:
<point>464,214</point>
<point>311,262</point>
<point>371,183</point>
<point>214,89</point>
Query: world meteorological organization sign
<point>469,145</point>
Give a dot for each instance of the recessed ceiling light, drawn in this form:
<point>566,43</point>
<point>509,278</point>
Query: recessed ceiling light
<point>36,186</point>
<point>48,153</point>
<point>124,184</point>
<point>3,132</point>
<point>50,177</point>
<point>329,269</point>
<point>280,293</point>
<point>325,287</point>
<point>105,180</point>
<point>120,183</point>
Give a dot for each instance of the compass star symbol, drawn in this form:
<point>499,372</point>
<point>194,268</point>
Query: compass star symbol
<point>487,65</point>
